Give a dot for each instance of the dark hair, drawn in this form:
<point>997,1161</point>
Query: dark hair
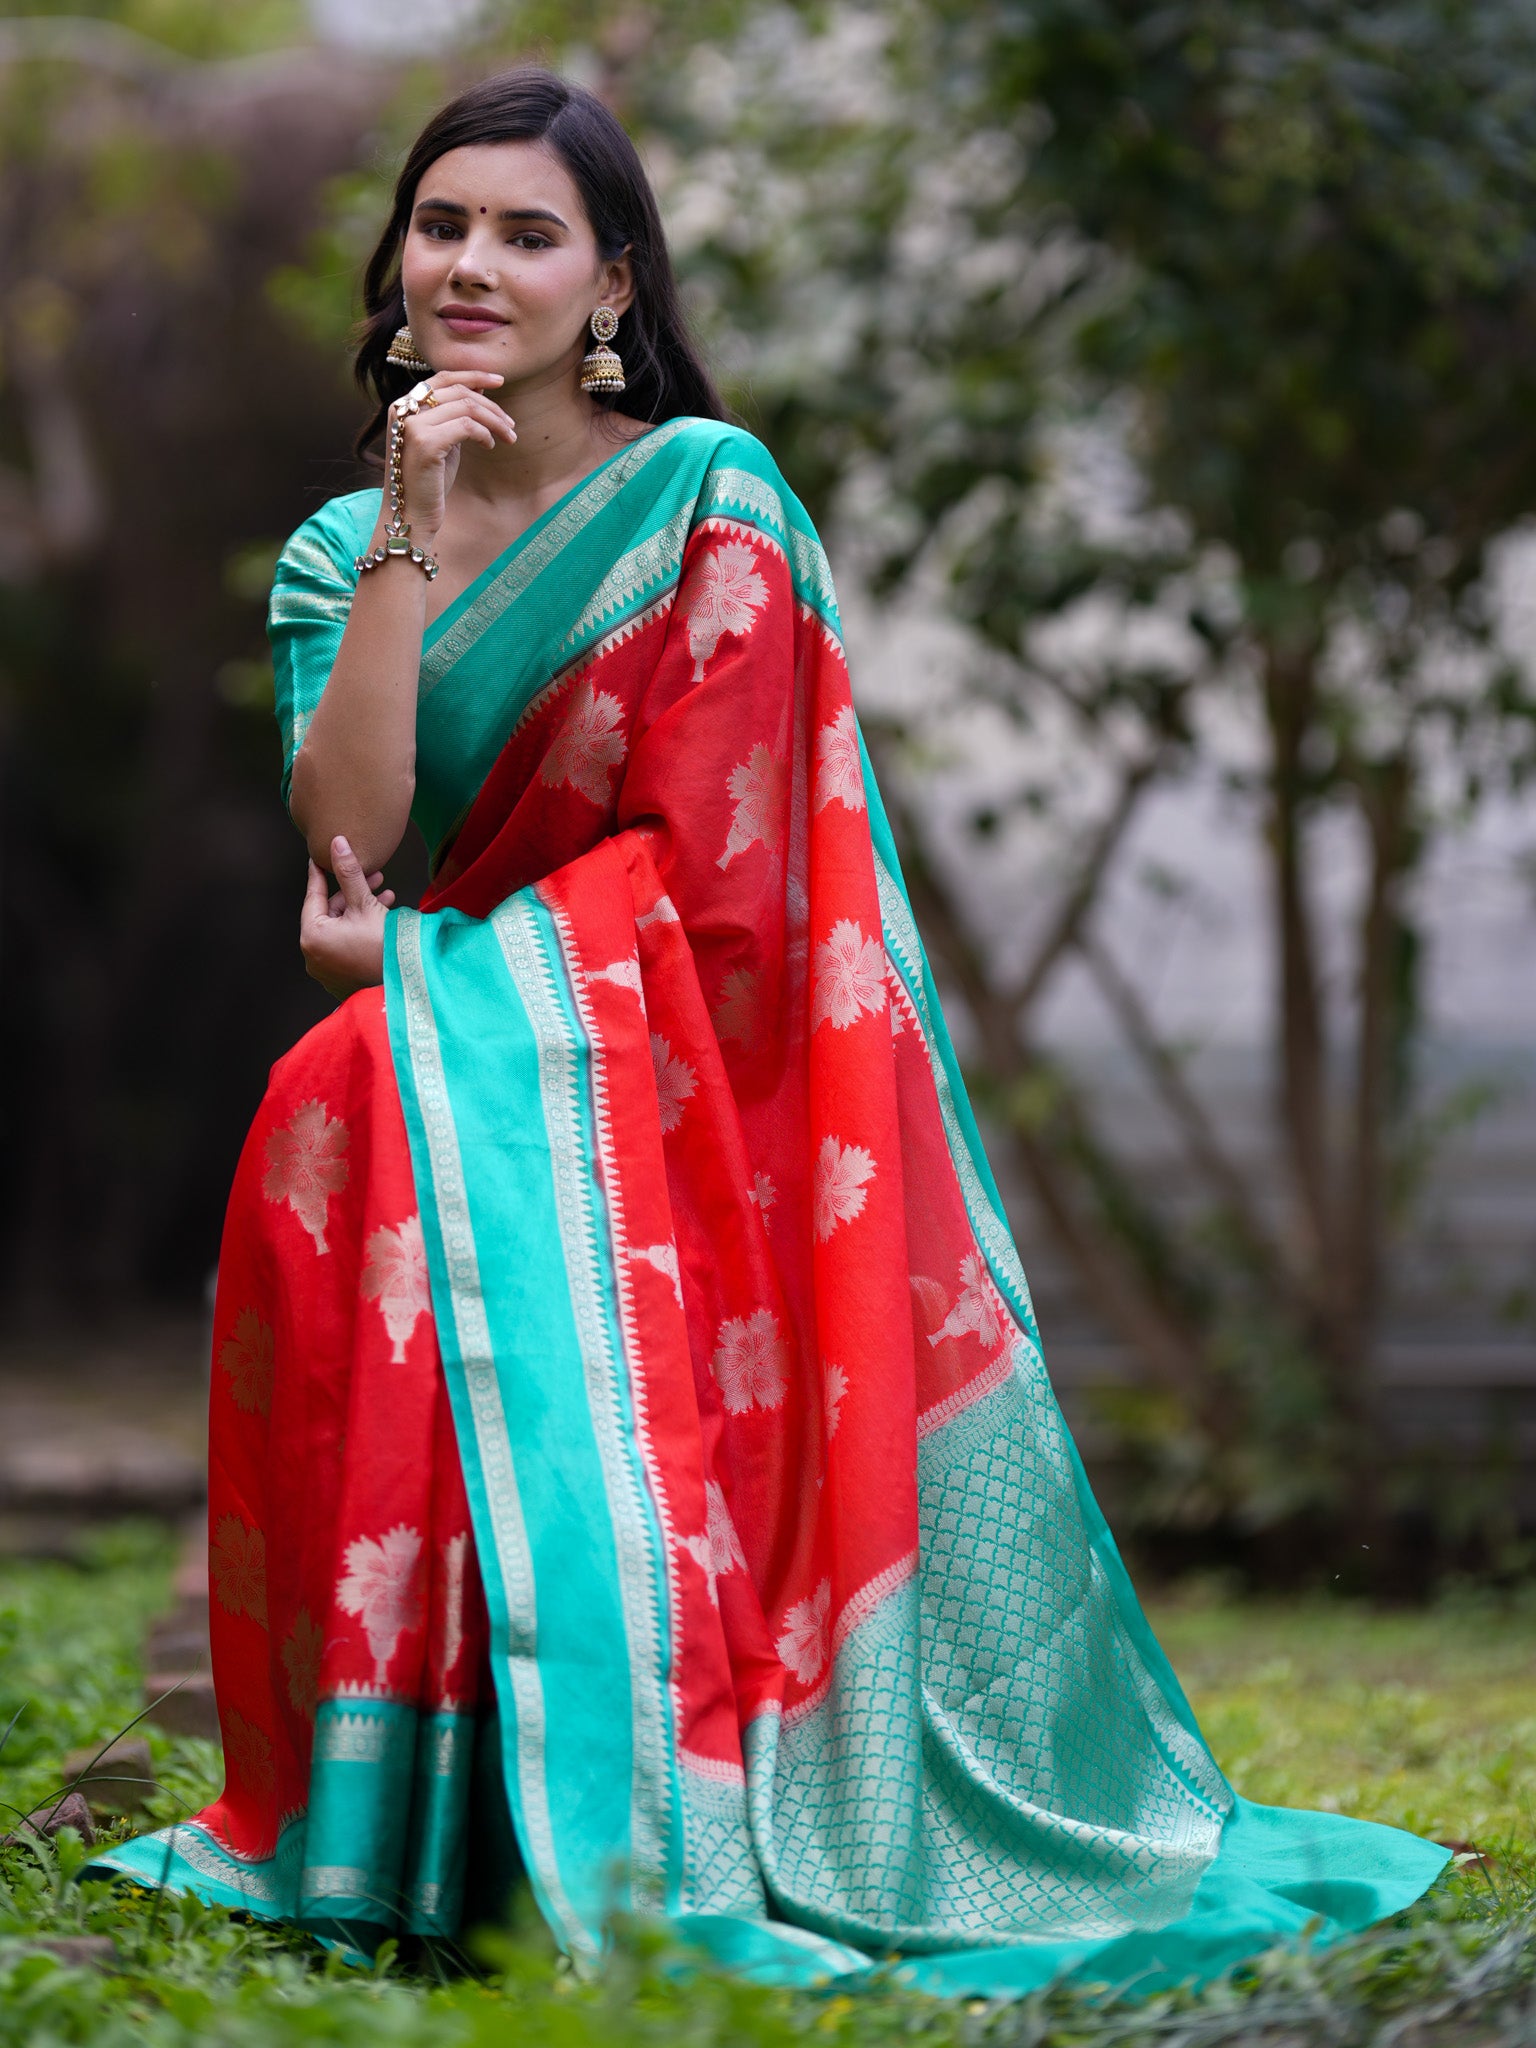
<point>664,375</point>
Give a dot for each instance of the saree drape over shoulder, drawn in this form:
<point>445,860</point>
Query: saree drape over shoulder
<point>628,1414</point>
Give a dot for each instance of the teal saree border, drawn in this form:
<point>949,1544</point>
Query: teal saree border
<point>536,960</point>
<point>522,1277</point>
<point>379,1845</point>
<point>477,1397</point>
<point>186,1858</point>
<point>518,566</point>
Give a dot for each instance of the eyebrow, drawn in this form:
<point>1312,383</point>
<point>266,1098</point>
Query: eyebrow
<point>506,213</point>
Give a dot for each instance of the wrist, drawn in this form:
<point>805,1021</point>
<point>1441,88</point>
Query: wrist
<point>398,536</point>
<point>405,542</point>
<point>423,533</point>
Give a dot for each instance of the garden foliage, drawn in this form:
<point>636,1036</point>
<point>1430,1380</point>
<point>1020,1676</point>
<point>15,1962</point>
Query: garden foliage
<point>1419,1719</point>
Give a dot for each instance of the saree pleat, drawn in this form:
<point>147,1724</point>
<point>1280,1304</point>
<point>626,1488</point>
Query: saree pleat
<point>642,1320</point>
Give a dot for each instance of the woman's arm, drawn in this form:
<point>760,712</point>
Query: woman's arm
<point>355,774</point>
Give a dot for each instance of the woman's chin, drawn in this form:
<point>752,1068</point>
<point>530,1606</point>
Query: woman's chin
<point>451,357</point>
<point>450,352</point>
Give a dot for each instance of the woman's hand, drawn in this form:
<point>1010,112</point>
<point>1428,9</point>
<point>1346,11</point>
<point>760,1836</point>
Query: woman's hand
<point>356,770</point>
<point>342,936</point>
<point>432,437</point>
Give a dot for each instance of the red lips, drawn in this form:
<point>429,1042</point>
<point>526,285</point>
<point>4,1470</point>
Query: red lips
<point>453,312</point>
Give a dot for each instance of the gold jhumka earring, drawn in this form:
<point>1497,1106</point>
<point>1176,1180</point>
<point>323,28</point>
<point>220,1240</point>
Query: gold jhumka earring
<point>602,369</point>
<point>405,355</point>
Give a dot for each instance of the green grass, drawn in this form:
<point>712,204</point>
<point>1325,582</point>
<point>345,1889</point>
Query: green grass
<point>71,1671</point>
<point>1424,1719</point>
<point>1427,1719</point>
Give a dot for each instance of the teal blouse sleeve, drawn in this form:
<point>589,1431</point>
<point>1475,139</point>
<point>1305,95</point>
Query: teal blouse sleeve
<point>307,614</point>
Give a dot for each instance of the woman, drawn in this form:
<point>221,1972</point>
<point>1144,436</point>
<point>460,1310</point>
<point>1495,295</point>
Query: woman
<point>628,1412</point>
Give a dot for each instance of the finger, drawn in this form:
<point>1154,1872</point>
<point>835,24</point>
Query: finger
<point>445,395</point>
<point>481,403</point>
<point>386,897</point>
<point>451,398</point>
<point>451,434</point>
<point>315,894</point>
<point>423,429</point>
<point>455,393</point>
<point>444,381</point>
<point>490,414</point>
<point>497,418</point>
<point>350,879</point>
<point>375,880</point>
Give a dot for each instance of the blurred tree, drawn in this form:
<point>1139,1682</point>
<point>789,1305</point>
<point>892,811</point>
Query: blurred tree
<point>155,423</point>
<point>1284,258</point>
<point>1325,308</point>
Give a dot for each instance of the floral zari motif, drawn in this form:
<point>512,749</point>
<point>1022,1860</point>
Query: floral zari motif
<point>382,1587</point>
<point>247,1750</point>
<point>726,595</point>
<point>306,1165</point>
<point>834,1387</point>
<point>738,1014</point>
<point>803,1642</point>
<point>849,977</point>
<point>718,1551</point>
<point>591,744</point>
<point>245,1357</point>
<point>238,1563</point>
<point>841,1177</point>
<point>977,1309</point>
<point>675,1082</point>
<point>395,1276</point>
<point>760,797</point>
<point>301,1654</point>
<point>750,1361</point>
<point>839,771</point>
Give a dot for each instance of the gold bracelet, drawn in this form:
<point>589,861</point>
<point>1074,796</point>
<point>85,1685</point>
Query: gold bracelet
<point>397,534</point>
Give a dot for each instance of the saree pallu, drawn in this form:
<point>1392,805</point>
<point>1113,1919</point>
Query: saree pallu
<point>628,1410</point>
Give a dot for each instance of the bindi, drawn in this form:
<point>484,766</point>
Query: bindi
<point>482,209</point>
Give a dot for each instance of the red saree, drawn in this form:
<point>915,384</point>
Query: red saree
<point>626,1385</point>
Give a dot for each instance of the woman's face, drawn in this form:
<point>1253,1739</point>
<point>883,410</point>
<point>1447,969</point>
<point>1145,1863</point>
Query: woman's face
<point>500,266</point>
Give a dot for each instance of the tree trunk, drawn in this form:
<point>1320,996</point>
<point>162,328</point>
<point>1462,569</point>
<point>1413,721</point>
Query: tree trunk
<point>1385,792</point>
<point>1290,692</point>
